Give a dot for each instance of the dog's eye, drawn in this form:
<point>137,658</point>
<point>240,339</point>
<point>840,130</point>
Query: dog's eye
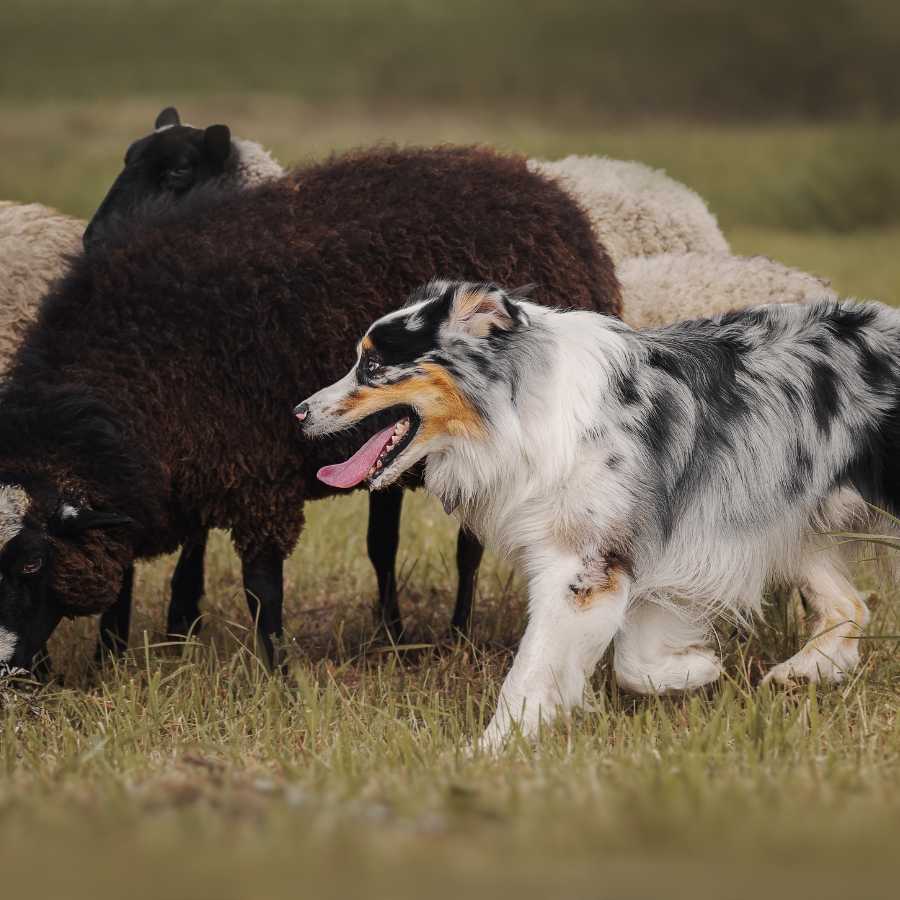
<point>373,364</point>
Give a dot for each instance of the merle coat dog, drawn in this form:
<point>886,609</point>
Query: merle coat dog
<point>646,482</point>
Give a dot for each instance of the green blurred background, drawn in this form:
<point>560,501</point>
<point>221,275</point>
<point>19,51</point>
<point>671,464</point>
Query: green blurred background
<point>782,115</point>
<point>625,57</point>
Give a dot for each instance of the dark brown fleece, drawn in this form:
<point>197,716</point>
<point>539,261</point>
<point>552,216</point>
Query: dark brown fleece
<point>161,375</point>
<point>88,571</point>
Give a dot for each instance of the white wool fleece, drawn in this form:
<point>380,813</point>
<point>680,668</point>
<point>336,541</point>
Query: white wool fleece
<point>635,210</point>
<point>671,287</point>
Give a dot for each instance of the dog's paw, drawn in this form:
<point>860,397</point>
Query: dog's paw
<point>673,673</point>
<point>829,662</point>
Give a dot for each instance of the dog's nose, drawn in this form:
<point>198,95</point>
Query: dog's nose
<point>301,411</point>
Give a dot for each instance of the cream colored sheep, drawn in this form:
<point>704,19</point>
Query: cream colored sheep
<point>636,210</point>
<point>668,287</point>
<point>35,245</point>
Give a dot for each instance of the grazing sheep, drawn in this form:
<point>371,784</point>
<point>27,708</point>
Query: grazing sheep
<point>658,290</point>
<point>153,395</point>
<point>37,243</point>
<point>636,210</point>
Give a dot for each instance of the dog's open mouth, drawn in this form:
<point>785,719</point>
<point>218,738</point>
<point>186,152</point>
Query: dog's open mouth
<point>375,455</point>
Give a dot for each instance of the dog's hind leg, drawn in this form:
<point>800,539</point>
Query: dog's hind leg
<point>659,651</point>
<point>575,609</point>
<point>383,540</point>
<point>839,616</point>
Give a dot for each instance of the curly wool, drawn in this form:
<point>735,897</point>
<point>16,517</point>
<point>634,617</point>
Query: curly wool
<point>669,287</point>
<point>36,245</point>
<point>251,165</point>
<point>636,210</point>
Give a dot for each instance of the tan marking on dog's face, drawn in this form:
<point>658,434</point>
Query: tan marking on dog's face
<point>366,344</point>
<point>435,395</point>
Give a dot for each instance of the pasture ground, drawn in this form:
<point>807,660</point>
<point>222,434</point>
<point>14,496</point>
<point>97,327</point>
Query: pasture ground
<point>196,774</point>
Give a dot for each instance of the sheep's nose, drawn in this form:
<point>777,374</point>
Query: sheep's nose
<point>301,411</point>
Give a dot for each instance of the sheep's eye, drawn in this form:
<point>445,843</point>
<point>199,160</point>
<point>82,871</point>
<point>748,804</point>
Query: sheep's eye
<point>373,364</point>
<point>33,566</point>
<point>177,178</point>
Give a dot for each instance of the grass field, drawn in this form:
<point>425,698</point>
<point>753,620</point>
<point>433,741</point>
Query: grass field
<point>199,775</point>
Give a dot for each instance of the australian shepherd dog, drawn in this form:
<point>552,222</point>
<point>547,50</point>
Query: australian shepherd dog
<point>646,482</point>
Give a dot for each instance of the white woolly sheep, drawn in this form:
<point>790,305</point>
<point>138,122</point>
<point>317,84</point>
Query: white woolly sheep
<point>35,245</point>
<point>636,210</point>
<point>657,290</point>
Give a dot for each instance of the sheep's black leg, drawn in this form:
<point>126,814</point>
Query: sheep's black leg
<point>187,589</point>
<point>116,621</point>
<point>468,558</point>
<point>383,538</point>
<point>264,586</point>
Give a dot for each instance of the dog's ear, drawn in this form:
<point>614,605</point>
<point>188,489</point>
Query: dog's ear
<point>479,309</point>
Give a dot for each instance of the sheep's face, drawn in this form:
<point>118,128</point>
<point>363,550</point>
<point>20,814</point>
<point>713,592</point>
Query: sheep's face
<point>56,559</point>
<point>169,162</point>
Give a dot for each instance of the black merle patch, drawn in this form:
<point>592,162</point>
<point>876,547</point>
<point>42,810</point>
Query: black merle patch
<point>626,391</point>
<point>825,395</point>
<point>396,343</point>
<point>799,473</point>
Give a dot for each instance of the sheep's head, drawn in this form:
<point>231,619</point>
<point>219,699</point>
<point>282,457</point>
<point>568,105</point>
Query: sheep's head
<point>167,163</point>
<point>58,557</point>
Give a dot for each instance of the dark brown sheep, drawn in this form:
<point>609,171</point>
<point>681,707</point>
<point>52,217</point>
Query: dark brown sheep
<point>152,398</point>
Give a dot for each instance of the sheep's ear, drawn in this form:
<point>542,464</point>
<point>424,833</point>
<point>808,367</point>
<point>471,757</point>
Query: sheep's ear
<point>479,309</point>
<point>70,520</point>
<point>217,140</point>
<point>169,116</point>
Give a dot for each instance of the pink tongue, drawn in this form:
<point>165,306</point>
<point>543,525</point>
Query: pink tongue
<point>350,473</point>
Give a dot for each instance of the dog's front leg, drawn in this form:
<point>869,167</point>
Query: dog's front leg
<point>576,606</point>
